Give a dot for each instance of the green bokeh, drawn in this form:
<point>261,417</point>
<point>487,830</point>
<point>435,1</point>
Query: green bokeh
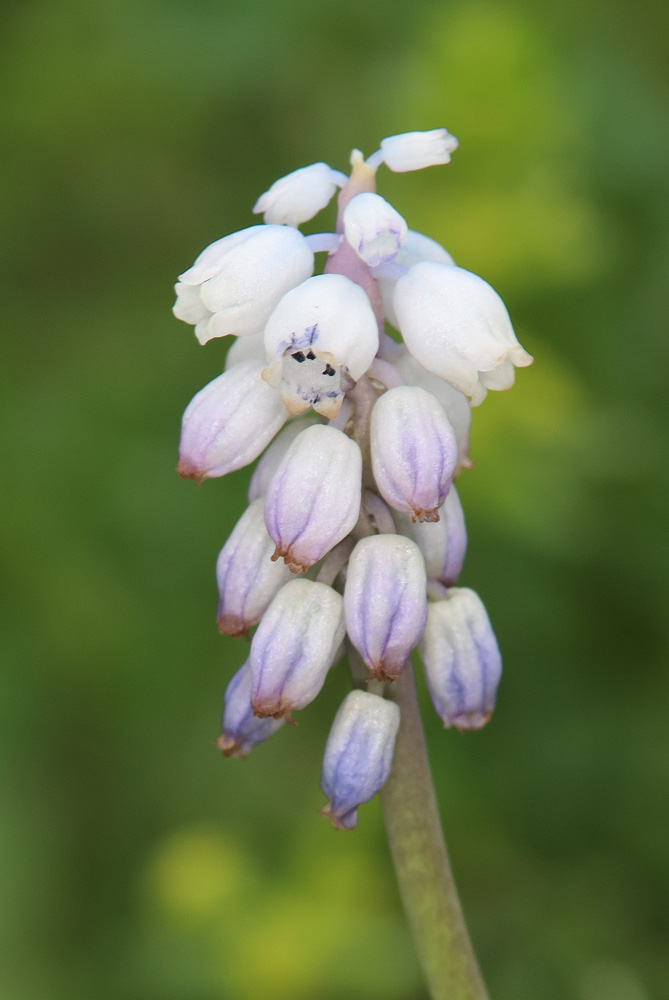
<point>136,863</point>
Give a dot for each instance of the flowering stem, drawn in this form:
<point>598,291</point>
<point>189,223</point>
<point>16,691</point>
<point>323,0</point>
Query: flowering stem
<point>421,860</point>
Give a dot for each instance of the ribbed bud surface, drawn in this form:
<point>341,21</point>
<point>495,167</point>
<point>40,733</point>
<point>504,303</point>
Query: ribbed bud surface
<point>313,499</point>
<point>294,646</point>
<point>414,451</point>
<point>443,543</point>
<point>246,576</point>
<point>229,422</point>
<point>461,659</point>
<point>385,602</point>
<point>242,730</point>
<point>358,755</point>
<point>271,460</point>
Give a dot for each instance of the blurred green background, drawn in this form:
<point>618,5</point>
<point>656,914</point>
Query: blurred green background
<point>136,862</point>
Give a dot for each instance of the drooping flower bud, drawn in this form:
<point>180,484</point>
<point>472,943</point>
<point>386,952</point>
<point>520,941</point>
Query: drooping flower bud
<point>294,647</point>
<point>414,451</point>
<point>373,228</point>
<point>300,195</point>
<point>385,602</point>
<point>242,730</point>
<point>443,544</point>
<point>320,339</point>
<point>457,327</point>
<point>246,576</point>
<point>229,422</point>
<point>313,499</point>
<point>271,459</point>
<point>239,280</point>
<point>358,755</point>
<point>462,660</point>
<point>415,150</point>
<point>417,247</point>
<point>455,403</point>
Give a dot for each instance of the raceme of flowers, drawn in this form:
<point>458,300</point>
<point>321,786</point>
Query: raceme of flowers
<point>354,537</point>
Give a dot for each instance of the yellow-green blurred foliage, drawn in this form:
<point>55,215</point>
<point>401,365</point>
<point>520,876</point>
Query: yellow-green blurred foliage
<point>137,864</point>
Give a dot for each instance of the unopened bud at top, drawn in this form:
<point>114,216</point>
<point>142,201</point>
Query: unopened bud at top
<point>443,543</point>
<point>294,647</point>
<point>229,422</point>
<point>457,327</point>
<point>385,602</point>
<point>358,755</point>
<point>242,730</point>
<point>246,576</point>
<point>320,339</point>
<point>236,282</point>
<point>461,659</point>
<point>300,195</point>
<point>373,228</point>
<point>414,451</point>
<point>415,150</point>
<point>313,499</point>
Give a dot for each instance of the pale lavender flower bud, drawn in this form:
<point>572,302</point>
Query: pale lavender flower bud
<point>455,403</point>
<point>457,327</point>
<point>320,339</point>
<point>415,150</point>
<point>373,228</point>
<point>443,544</point>
<point>239,279</point>
<point>358,755</point>
<point>242,730</point>
<point>300,195</point>
<point>461,659</point>
<point>294,647</point>
<point>251,348</point>
<point>414,451</point>
<point>385,602</point>
<point>246,576</point>
<point>270,461</point>
<point>229,422</point>
<point>313,499</point>
<point>417,247</point>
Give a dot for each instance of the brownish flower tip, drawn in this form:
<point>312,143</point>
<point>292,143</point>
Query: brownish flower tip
<point>281,553</point>
<point>424,515</point>
<point>470,721</point>
<point>272,712</point>
<point>233,626</point>
<point>229,746</point>
<point>187,471</point>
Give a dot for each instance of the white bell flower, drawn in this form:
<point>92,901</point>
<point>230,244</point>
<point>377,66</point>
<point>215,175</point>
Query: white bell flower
<point>239,279</point>
<point>457,327</point>
<point>417,247</point>
<point>320,339</point>
<point>300,195</point>
<point>374,229</point>
<point>415,150</point>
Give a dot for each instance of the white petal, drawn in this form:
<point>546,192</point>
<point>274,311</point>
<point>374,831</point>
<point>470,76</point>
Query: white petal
<point>373,228</point>
<point>415,150</point>
<point>299,196</point>
<point>417,247</point>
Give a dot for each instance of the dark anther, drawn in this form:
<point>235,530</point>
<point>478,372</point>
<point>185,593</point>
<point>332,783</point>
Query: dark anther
<point>329,370</point>
<point>298,357</point>
<point>311,356</point>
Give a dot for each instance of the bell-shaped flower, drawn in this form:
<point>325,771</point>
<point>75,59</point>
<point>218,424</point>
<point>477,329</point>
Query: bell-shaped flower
<point>358,755</point>
<point>319,340</point>
<point>374,229</point>
<point>246,576</point>
<point>457,327</point>
<point>242,730</point>
<point>300,195</point>
<point>251,348</point>
<point>443,543</point>
<point>313,499</point>
<point>294,647</point>
<point>229,422</point>
<point>461,659</point>
<point>415,150</point>
<point>414,451</point>
<point>271,459</point>
<point>236,282</point>
<point>455,403</point>
<point>385,602</point>
<point>416,248</point>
